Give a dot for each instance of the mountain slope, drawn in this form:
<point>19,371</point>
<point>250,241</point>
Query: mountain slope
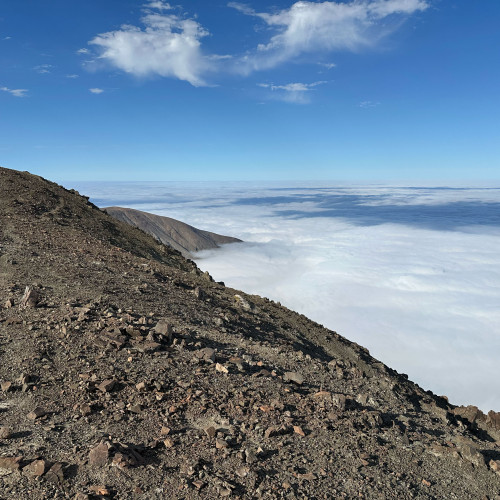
<point>127,373</point>
<point>171,232</point>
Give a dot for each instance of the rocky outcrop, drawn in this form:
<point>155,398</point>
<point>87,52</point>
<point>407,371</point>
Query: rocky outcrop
<point>183,237</point>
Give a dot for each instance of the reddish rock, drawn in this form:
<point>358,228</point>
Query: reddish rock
<point>36,468</point>
<point>10,463</point>
<point>99,455</point>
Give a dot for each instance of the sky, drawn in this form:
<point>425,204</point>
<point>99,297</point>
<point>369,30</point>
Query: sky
<point>365,90</point>
<point>412,274</point>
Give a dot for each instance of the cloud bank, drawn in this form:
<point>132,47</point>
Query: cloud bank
<point>413,274</point>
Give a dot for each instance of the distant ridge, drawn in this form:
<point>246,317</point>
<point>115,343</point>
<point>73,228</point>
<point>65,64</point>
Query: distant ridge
<point>176,234</point>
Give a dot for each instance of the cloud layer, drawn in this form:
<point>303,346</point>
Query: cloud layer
<point>412,274</point>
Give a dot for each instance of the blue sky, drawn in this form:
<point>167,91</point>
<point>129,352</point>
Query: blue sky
<point>372,90</point>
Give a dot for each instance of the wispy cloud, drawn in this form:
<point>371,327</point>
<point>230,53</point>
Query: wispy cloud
<point>324,27</point>
<point>43,68</point>
<point>7,38</point>
<point>15,92</point>
<point>292,92</point>
<point>168,45</point>
<point>83,51</point>
<point>159,5</point>
<point>96,90</point>
<point>368,104</point>
<point>328,65</point>
<point>73,76</point>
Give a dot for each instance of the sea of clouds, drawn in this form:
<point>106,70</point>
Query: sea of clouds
<point>413,274</point>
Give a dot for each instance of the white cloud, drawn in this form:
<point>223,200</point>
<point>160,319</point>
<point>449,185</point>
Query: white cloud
<point>328,65</point>
<point>43,68</point>
<point>7,38</point>
<point>15,92</point>
<point>83,51</point>
<point>368,104</point>
<point>73,76</point>
<point>424,301</point>
<point>292,92</point>
<point>314,27</point>
<point>159,5</point>
<point>96,91</point>
<point>168,46</point>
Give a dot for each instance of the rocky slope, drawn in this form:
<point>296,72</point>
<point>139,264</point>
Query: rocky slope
<point>183,237</point>
<point>127,373</point>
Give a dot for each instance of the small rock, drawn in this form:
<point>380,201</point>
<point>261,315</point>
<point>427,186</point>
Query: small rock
<point>169,443</point>
<point>5,432</point>
<point>36,413</point>
<point>30,298</point>
<point>298,430</point>
<point>141,386</point>
<point>99,455</point>
<point>242,471</point>
<point>250,456</point>
<point>5,386</point>
<point>137,408</point>
<point>210,431</point>
<point>221,368</point>
<point>163,327</point>
<point>107,385</point>
<point>309,476</point>
<point>9,303</point>
<point>425,482</point>
<point>199,293</point>
<point>207,354</point>
<point>100,491</point>
<point>243,303</point>
<point>81,496</point>
<point>295,377</point>
<point>198,484</point>
<point>36,468</point>
<point>10,463</point>
<point>165,431</point>
<point>220,444</point>
<point>495,466</point>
